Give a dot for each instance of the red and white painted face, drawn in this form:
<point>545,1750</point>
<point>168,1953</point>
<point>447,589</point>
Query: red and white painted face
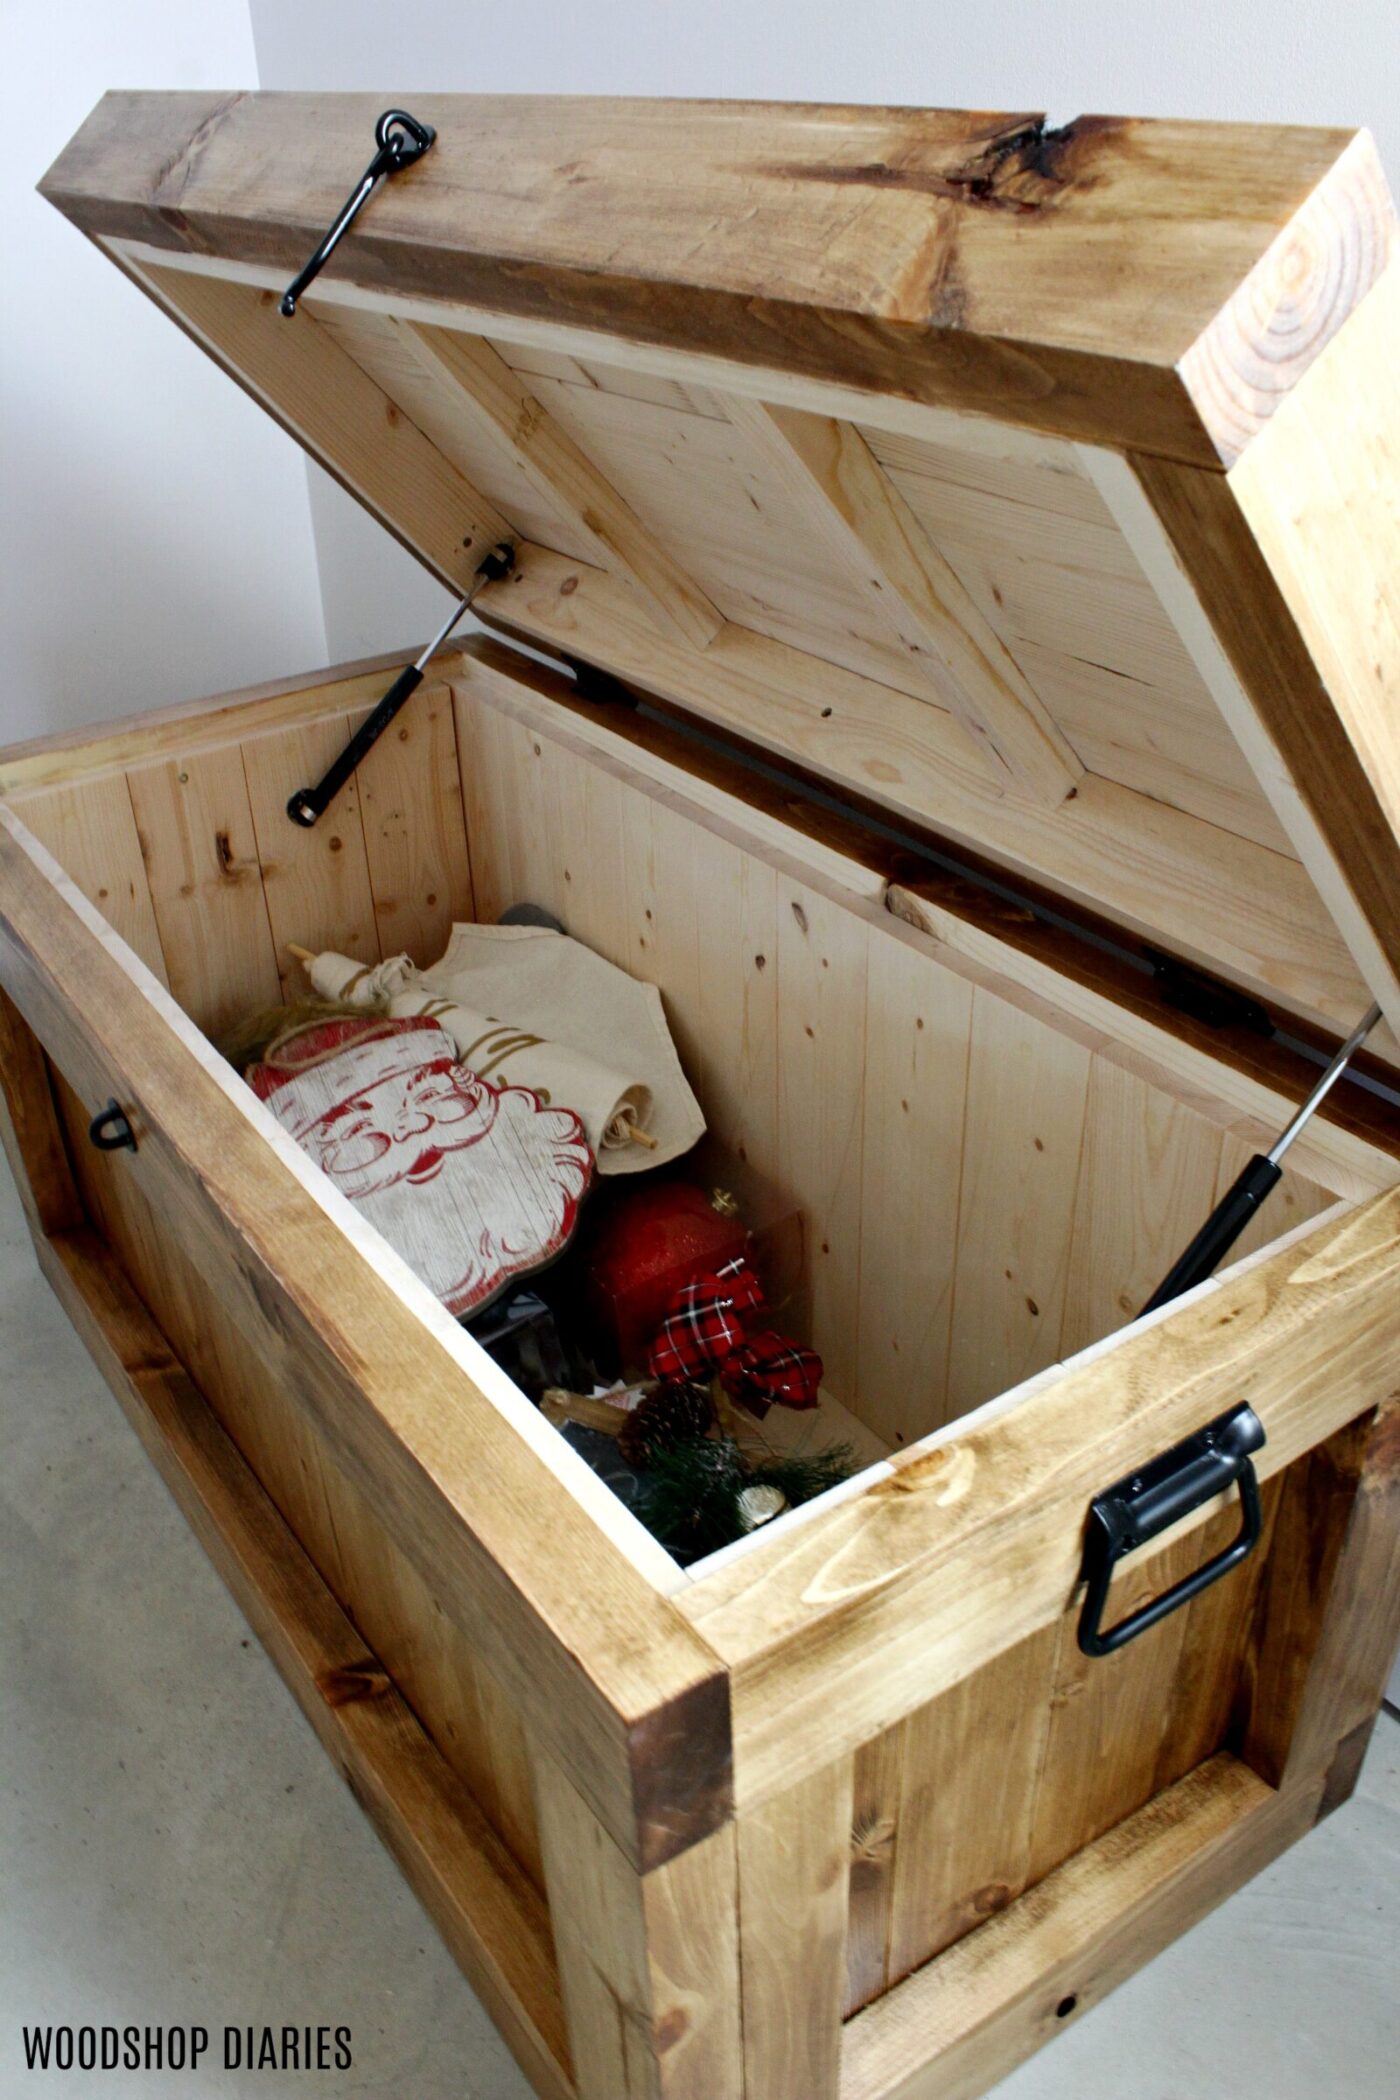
<point>401,1128</point>
<point>473,1184</point>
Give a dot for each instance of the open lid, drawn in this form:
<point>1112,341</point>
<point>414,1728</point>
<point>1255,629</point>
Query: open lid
<point>1039,486</point>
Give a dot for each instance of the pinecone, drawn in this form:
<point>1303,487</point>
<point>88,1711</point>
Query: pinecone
<point>670,1414</point>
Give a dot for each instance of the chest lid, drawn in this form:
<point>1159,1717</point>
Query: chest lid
<point>1039,486</point>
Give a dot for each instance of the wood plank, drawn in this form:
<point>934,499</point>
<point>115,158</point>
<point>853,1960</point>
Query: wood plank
<point>831,470</point>
<point>959,2025</point>
<point>315,882</point>
<point>1236,588</point>
<point>650,1966</point>
<point>1356,1651</point>
<point>396,1610</point>
<point>1206,894</point>
<point>492,1919</point>
<point>1147,1182</point>
<point>1310,1528</point>
<point>877,1772</point>
<point>917,1046</point>
<point>799,237</point>
<point>91,832</point>
<point>201,853</point>
<point>901,1589</point>
<point>1246,1083</point>
<point>192,725</point>
<point>410,793</point>
<point>553,463</point>
<point>972,1759</point>
<point>460,1467</point>
<point>1027,1088</point>
<point>29,1132</point>
<point>1249,1083</point>
<point>793,1869</point>
<point>821,963</point>
<point>333,408</point>
<point>1110,1716</point>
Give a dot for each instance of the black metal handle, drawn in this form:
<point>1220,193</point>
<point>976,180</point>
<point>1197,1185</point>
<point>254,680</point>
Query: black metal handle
<point>1149,1502</point>
<point>110,1131</point>
<point>401,140</point>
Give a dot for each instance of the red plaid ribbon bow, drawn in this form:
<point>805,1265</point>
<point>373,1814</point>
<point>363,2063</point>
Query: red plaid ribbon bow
<point>767,1368</point>
<point>704,1322</point>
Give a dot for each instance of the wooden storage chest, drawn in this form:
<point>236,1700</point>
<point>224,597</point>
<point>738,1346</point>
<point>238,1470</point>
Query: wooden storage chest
<point>990,538</point>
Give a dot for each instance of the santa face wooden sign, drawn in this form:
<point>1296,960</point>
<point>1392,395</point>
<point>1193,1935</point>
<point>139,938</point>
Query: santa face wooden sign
<point>474,1185</point>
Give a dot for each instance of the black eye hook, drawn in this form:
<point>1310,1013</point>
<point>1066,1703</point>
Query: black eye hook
<point>400,140</point>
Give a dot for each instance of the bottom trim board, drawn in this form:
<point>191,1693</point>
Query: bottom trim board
<point>492,1918</point>
<point>955,2027</point>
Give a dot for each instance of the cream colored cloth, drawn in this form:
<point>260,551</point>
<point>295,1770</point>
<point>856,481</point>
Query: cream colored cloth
<point>581,1033</point>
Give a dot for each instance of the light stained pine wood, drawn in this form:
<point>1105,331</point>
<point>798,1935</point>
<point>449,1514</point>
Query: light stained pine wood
<point>1281,694</point>
<point>315,881</point>
<point>1027,1090</point>
<point>1109,1716</point>
<point>1215,898</point>
<point>1000,945</point>
<point>548,457</point>
<point>801,238</point>
<point>605,377</point>
<point>1115,1020</point>
<point>649,1968</point>
<point>877,1769</point>
<point>1148,1177</point>
<point>91,832</point>
<point>918,1039</point>
<point>753,543</point>
<point>833,473</point>
<point>410,795</point>
<point>200,849</point>
<point>194,725</point>
<point>398,1611</point>
<point>794,1858</point>
<point>916,1583</point>
<point>333,408</point>
<point>1050,570</point>
<point>1279,321</point>
<point>821,959</point>
<point>30,1135</point>
<point>1310,1528</point>
<point>1356,1651</point>
<point>969,1776</point>
<point>241,1200</point>
<point>1319,498</point>
<point>381,346</point>
<point>954,2029</point>
<point>490,1916</point>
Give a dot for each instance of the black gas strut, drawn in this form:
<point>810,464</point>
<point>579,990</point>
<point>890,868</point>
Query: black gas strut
<point>1263,1173</point>
<point>307,804</point>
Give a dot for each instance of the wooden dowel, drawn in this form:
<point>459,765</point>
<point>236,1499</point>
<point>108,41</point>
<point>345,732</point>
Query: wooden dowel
<point>637,1136</point>
<point>303,955</point>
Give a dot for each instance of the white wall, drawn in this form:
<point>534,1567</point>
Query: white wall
<point>155,532</point>
<point>1288,60</point>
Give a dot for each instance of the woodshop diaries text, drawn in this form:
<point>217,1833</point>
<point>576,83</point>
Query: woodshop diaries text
<point>183,2048</point>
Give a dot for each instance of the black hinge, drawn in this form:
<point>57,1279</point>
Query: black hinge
<point>1206,999</point>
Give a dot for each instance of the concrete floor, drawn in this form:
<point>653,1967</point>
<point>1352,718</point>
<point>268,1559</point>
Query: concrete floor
<point>174,1846</point>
